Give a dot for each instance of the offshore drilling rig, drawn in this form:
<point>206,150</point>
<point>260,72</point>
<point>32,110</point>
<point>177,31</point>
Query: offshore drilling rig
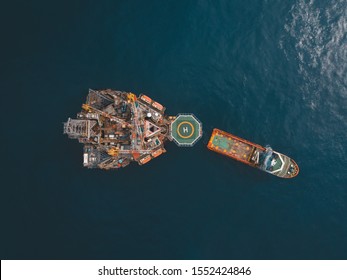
<point>117,127</point>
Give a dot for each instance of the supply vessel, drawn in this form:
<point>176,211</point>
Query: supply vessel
<point>118,127</point>
<point>263,158</point>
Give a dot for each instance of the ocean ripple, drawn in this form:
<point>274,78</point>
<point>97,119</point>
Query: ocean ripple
<point>317,32</point>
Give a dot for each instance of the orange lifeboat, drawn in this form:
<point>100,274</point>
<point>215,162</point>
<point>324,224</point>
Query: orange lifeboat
<point>145,159</point>
<point>157,153</point>
<point>146,99</point>
<point>158,106</point>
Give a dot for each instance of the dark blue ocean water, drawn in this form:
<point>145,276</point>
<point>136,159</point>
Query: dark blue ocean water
<point>273,72</point>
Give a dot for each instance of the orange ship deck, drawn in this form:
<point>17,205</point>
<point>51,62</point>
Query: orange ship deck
<point>232,146</point>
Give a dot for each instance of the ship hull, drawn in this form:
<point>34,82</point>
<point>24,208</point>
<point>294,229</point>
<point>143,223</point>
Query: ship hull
<point>257,156</point>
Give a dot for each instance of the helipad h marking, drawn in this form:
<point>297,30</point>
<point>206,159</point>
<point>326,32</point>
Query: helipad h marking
<point>178,130</point>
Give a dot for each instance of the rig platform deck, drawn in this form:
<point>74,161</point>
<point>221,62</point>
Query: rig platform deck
<point>117,127</point>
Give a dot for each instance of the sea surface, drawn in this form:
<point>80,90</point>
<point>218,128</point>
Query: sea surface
<point>273,72</point>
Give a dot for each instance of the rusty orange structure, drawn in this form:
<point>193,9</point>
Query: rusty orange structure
<point>117,128</point>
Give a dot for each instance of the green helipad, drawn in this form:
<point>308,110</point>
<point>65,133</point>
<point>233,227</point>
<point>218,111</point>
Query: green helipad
<point>186,130</point>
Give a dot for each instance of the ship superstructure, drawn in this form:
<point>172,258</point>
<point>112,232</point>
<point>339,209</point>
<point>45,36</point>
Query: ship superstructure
<point>117,127</point>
